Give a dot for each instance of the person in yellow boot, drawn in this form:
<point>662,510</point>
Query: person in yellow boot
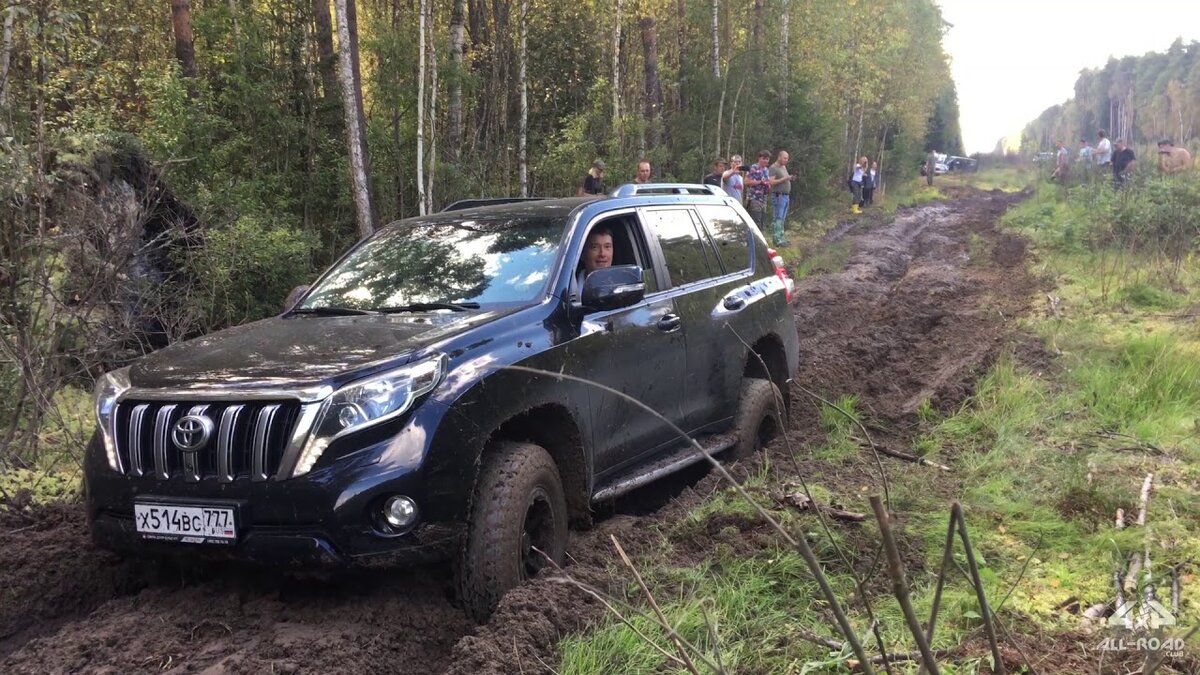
<point>856,185</point>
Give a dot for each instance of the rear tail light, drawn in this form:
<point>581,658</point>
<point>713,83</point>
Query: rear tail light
<point>781,271</point>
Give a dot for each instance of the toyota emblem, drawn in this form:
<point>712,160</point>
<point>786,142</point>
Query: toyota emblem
<point>192,432</point>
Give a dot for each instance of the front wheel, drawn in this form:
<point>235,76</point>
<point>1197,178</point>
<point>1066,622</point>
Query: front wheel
<point>759,417</point>
<point>518,525</point>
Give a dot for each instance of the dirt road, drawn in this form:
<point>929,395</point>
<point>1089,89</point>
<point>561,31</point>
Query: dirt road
<point>921,308</point>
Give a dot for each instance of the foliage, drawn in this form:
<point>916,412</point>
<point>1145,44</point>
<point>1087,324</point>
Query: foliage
<point>1143,98</point>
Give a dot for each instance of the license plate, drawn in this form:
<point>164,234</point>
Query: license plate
<point>187,524</point>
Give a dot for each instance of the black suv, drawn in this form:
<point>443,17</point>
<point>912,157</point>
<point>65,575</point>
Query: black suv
<point>394,411</point>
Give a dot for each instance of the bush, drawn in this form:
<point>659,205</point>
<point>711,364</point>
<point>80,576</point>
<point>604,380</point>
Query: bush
<point>243,272</point>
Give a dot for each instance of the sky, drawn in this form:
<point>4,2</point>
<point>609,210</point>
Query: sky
<point>1012,59</point>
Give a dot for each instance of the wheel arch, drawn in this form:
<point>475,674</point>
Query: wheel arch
<point>551,426</point>
<point>767,360</point>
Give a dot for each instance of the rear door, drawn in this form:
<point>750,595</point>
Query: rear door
<point>696,277</point>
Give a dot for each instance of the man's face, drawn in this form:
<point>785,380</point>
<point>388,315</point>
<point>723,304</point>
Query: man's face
<point>598,251</point>
<point>643,175</point>
<point>719,167</point>
<point>782,158</point>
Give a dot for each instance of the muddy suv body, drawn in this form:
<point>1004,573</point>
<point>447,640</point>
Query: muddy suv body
<point>397,410</point>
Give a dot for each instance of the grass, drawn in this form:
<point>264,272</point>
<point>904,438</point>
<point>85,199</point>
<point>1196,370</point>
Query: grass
<point>1042,457</point>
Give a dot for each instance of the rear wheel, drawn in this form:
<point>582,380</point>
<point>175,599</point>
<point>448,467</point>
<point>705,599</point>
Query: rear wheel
<point>759,419</point>
<point>518,525</point>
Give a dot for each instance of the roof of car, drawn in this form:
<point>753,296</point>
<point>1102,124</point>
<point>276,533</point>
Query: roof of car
<point>504,208</point>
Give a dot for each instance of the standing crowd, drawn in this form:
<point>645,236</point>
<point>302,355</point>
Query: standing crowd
<point>1116,157</point>
<point>749,184</point>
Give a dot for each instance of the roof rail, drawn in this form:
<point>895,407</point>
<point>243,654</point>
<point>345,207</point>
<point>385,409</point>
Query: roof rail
<point>486,201</point>
<point>634,189</point>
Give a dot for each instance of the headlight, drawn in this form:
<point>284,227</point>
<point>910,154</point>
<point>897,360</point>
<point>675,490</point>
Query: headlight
<point>365,403</point>
<point>108,389</point>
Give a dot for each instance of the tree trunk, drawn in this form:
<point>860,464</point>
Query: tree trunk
<point>233,14</point>
<point>653,98</point>
<point>181,23</point>
<point>433,96</point>
<point>523,85</point>
<point>457,40</point>
<point>756,37</point>
<point>784,56</point>
<point>681,13</point>
<point>616,67</point>
<point>716,45</point>
<point>423,12</point>
<point>325,61</point>
<point>352,105</point>
<point>5,60</point>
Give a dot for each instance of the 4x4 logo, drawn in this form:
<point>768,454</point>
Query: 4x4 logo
<point>192,432</point>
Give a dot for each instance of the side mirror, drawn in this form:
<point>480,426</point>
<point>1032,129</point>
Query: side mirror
<point>294,297</point>
<point>613,288</point>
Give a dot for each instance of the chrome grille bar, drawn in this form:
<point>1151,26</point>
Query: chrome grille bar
<point>191,460</point>
<point>162,436</point>
<point>229,423</point>
<point>262,432</point>
<point>137,420</point>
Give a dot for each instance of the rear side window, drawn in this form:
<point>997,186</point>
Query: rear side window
<point>682,247</point>
<point>730,234</point>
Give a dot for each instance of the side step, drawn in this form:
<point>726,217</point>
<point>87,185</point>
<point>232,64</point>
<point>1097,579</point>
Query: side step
<point>664,465</point>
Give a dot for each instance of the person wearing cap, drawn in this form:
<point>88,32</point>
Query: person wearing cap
<point>1171,159</point>
<point>593,182</point>
<point>714,178</point>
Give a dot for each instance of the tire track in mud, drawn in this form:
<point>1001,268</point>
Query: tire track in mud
<point>911,316</point>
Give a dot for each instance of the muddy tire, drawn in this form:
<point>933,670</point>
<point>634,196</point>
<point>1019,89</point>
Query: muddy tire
<point>758,418</point>
<point>518,506</point>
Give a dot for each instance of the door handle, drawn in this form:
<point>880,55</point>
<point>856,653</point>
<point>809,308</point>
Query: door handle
<point>669,323</point>
<point>734,302</point>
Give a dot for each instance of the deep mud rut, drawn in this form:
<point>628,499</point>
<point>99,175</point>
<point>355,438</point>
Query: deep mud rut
<point>922,307</point>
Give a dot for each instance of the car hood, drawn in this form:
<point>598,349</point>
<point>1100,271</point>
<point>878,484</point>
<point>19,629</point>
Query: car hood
<point>297,351</point>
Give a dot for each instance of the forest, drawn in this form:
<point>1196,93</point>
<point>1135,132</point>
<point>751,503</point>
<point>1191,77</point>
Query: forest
<point>174,168</point>
<point>1143,99</point>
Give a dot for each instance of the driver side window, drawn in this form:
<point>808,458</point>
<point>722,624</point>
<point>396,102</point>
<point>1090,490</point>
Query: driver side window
<point>626,248</point>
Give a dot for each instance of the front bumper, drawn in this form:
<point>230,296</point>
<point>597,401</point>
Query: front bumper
<point>325,518</point>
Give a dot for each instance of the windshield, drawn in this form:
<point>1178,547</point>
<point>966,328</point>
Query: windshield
<point>455,258</point>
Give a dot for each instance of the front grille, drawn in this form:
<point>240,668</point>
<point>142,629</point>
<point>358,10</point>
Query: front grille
<point>248,439</point>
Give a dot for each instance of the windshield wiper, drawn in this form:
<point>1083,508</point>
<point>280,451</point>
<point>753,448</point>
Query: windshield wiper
<point>427,306</point>
<point>330,311</point>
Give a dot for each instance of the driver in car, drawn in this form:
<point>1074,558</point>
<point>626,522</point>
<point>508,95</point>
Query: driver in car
<point>597,253</point>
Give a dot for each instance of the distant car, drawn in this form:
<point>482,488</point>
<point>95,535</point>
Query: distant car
<point>961,164</point>
<point>938,169</point>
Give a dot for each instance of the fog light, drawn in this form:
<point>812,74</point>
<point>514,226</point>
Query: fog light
<point>400,512</point>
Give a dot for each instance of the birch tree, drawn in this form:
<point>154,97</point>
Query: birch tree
<point>523,86</point>
<point>616,65</point>
<point>716,43</point>
<point>421,28</point>
<point>457,40</point>
<point>352,105</point>
<point>652,94</point>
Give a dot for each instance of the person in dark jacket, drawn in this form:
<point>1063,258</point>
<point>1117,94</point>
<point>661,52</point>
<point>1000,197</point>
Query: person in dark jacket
<point>593,182</point>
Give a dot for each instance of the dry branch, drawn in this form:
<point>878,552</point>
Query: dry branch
<point>911,458</point>
<point>662,619</point>
<point>803,502</point>
<point>900,585</point>
<point>1143,503</point>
